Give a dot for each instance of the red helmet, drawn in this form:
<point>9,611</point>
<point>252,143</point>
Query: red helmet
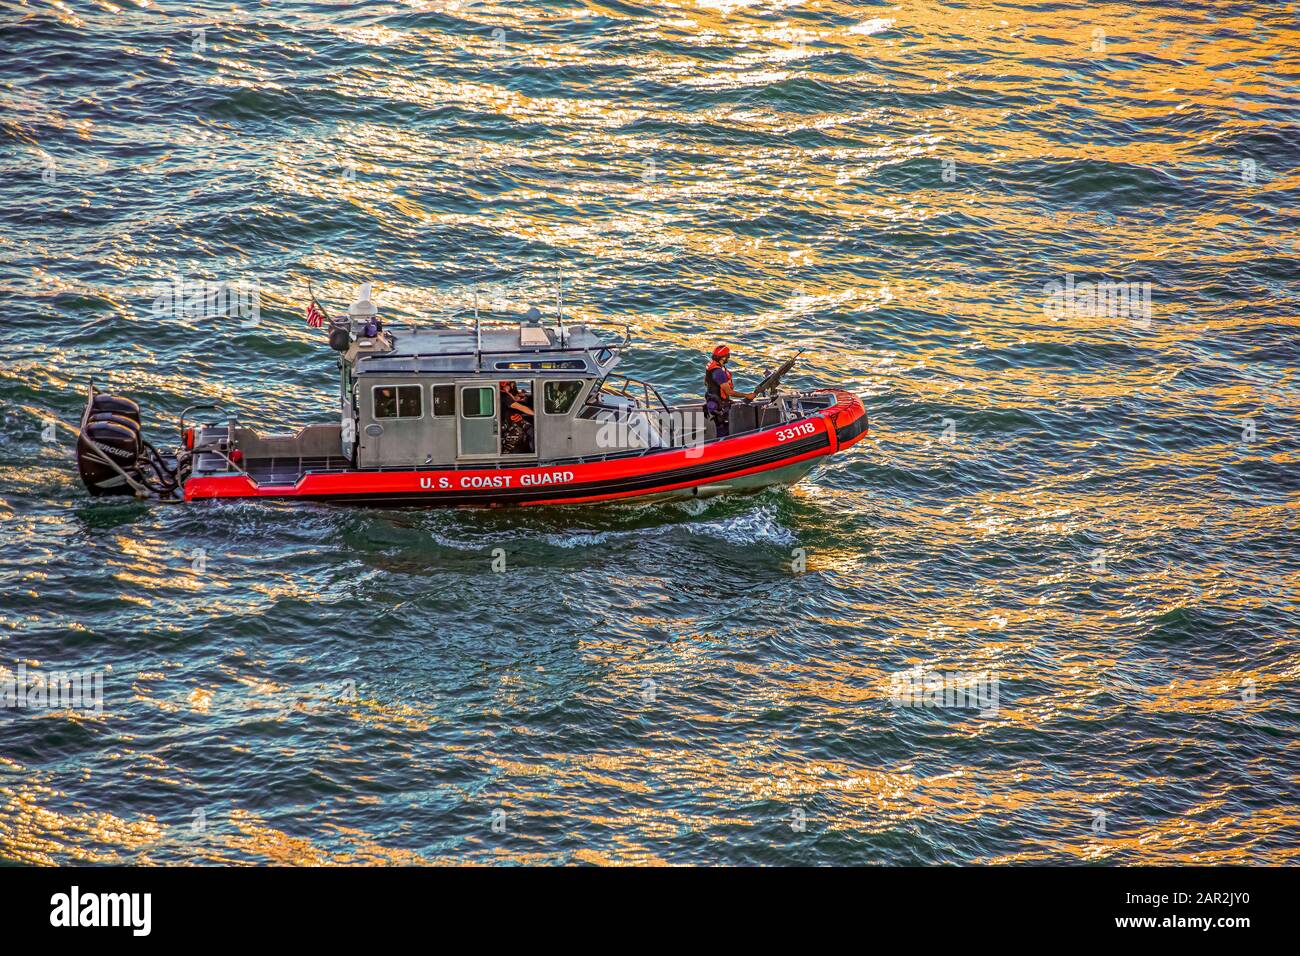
<point>721,352</point>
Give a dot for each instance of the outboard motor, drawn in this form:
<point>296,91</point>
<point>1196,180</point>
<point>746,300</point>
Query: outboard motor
<point>115,459</point>
<point>114,434</point>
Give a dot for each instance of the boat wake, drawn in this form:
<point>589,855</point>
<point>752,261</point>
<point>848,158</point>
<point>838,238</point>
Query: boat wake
<point>757,522</point>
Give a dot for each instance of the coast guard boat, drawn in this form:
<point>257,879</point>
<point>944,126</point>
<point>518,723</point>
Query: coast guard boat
<point>431,416</point>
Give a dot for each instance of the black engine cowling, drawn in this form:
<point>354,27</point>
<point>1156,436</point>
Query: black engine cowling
<point>122,420</point>
<point>116,435</point>
<point>115,405</point>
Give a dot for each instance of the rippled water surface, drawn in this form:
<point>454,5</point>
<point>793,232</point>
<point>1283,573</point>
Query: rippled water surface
<point>1100,509</point>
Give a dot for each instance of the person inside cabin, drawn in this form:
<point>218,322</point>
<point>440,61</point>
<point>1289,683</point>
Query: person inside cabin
<point>524,397</point>
<point>719,391</point>
<point>516,420</point>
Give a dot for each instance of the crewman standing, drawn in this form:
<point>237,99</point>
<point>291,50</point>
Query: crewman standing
<point>719,391</point>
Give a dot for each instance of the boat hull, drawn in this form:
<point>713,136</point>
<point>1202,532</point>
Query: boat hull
<point>774,456</point>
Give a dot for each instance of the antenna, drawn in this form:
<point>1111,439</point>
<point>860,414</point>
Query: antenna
<point>478,336</point>
<point>559,305</point>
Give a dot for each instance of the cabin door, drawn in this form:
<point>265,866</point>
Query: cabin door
<point>478,434</point>
<point>399,430</point>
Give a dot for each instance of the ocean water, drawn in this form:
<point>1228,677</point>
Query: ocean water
<point>1085,505</point>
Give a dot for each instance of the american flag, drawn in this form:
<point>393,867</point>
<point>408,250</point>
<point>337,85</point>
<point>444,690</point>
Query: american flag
<point>315,315</point>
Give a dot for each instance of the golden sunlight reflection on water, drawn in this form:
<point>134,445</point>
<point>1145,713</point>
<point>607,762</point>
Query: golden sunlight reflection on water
<point>722,169</point>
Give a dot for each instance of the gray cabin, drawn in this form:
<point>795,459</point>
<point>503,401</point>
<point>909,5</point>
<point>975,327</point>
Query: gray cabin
<point>429,397</point>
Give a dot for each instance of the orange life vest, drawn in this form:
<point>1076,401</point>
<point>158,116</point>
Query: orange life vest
<point>712,390</point>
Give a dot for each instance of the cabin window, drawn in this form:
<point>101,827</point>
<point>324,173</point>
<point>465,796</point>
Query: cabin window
<point>558,364</point>
<point>558,397</point>
<point>399,401</point>
<point>444,400</point>
<point>478,402</point>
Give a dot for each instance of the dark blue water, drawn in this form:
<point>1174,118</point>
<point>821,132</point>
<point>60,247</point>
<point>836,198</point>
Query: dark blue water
<point>1093,501</point>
